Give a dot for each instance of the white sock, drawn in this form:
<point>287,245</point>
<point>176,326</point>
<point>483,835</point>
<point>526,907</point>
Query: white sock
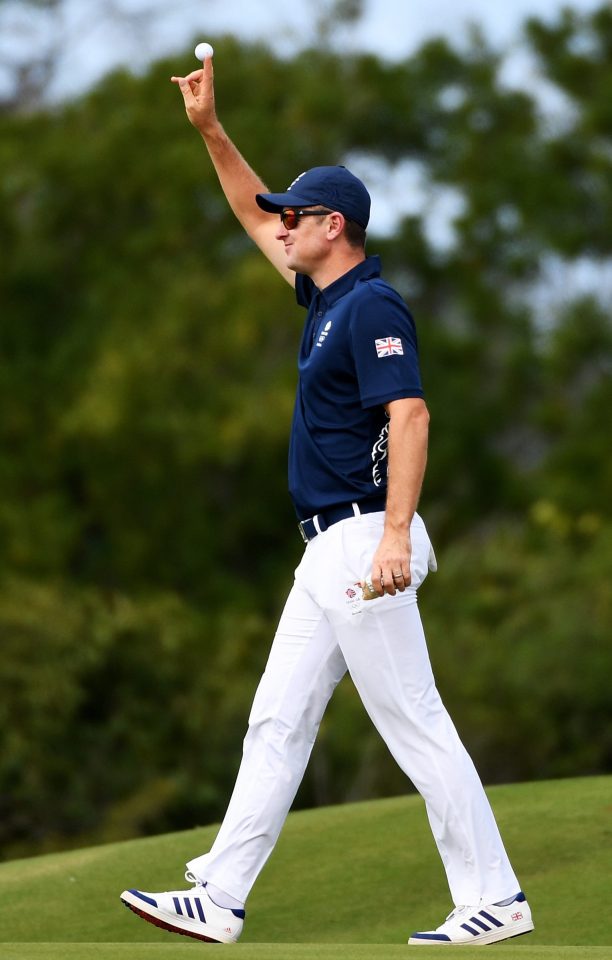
<point>223,899</point>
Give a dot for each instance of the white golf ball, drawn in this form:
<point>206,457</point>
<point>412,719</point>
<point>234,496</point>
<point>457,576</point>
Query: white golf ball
<point>203,51</point>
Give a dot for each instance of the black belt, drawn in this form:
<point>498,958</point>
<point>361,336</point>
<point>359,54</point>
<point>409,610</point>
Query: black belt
<point>321,521</point>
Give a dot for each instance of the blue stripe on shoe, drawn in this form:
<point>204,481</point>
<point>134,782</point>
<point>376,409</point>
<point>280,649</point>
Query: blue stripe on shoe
<point>146,899</point>
<point>177,906</point>
<point>199,908</point>
<point>493,920</point>
<point>188,907</point>
<point>475,933</point>
<point>479,923</point>
<point>431,936</point>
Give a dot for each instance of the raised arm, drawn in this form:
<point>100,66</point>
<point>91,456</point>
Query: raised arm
<point>238,181</point>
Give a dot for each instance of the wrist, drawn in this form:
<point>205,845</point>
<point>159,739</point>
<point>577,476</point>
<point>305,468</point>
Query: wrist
<point>211,131</point>
<point>398,526</point>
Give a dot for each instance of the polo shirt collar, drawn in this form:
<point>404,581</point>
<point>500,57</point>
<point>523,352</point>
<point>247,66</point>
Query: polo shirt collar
<point>370,267</point>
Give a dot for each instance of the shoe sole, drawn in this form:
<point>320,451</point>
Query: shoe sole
<point>163,924</point>
<point>492,937</point>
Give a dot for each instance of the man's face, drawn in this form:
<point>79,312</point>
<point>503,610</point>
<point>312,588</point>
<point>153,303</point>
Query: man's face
<point>303,232</point>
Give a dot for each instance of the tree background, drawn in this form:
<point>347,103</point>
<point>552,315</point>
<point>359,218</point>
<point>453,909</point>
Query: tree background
<point>147,369</point>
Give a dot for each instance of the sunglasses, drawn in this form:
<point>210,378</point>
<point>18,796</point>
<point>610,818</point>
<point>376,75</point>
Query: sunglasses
<point>291,218</point>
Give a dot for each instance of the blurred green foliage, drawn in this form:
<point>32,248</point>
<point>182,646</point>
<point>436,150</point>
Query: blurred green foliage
<point>146,385</point>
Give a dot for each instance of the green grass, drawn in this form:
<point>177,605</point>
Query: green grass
<point>285,951</point>
<point>350,881</point>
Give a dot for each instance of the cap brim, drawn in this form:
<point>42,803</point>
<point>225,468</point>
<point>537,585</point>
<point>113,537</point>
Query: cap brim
<point>275,202</point>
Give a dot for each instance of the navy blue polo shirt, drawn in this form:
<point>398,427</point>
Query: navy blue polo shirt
<point>358,352</point>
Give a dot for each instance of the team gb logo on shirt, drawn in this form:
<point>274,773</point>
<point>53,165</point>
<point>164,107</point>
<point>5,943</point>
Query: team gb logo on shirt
<point>324,334</point>
<point>387,346</point>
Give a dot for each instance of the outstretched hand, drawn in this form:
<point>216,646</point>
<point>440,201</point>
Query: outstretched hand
<point>199,95</point>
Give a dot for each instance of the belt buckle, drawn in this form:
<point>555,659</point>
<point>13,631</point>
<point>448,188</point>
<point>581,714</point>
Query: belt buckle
<point>303,532</point>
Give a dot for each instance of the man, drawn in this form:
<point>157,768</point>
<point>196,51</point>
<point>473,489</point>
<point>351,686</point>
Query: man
<point>356,463</point>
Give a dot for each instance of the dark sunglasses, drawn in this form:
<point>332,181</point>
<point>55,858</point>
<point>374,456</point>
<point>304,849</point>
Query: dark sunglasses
<point>291,218</point>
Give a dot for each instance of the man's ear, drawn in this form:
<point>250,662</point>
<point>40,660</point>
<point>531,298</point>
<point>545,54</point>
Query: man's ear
<point>335,224</point>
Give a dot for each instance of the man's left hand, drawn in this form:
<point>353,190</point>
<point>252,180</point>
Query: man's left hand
<point>391,564</point>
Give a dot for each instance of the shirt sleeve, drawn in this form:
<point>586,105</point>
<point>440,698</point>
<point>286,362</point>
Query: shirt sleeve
<point>385,348</point>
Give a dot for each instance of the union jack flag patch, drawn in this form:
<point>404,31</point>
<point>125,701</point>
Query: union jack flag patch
<point>388,346</point>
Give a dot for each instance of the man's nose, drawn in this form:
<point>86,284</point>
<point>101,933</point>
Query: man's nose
<point>282,231</point>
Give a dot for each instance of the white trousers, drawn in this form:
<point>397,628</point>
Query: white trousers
<point>325,630</point>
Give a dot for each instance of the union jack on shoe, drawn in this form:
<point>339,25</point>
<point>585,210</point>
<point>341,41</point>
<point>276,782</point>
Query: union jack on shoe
<point>188,912</point>
<point>479,925</point>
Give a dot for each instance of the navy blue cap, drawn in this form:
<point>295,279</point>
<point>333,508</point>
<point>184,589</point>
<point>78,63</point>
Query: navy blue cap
<point>333,187</point>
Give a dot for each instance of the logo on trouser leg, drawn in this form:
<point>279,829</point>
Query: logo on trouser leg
<point>353,599</point>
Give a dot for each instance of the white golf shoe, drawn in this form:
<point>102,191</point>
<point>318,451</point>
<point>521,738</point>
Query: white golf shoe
<point>479,925</point>
<point>189,912</point>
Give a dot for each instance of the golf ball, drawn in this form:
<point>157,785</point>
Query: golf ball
<point>203,51</point>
